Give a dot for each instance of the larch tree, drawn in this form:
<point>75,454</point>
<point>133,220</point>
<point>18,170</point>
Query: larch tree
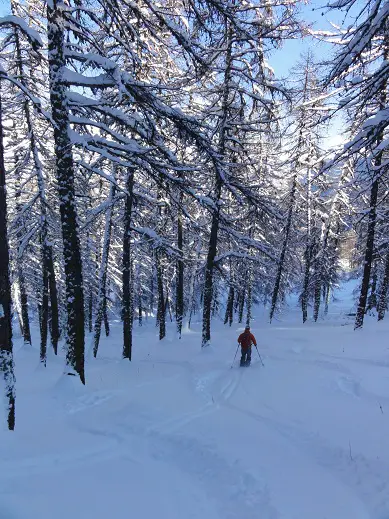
<point>75,334</point>
<point>6,347</point>
<point>359,74</point>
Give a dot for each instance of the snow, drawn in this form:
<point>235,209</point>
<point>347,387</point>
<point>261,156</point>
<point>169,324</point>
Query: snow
<point>179,434</point>
<point>16,21</point>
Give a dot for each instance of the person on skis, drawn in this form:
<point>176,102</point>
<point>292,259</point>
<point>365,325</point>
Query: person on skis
<point>246,340</point>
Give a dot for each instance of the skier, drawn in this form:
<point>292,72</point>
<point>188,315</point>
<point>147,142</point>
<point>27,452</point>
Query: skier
<point>246,339</point>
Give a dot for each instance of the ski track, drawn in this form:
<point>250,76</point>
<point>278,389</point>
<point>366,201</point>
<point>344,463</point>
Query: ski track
<point>343,467</point>
<point>235,491</point>
<point>35,466</point>
<point>350,470</point>
<point>199,461</point>
<point>232,488</point>
<point>204,465</point>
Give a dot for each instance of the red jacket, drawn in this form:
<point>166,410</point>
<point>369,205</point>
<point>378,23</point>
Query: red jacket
<point>245,339</point>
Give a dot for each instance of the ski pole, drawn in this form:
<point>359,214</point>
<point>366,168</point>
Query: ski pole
<point>260,358</point>
<point>235,356</point>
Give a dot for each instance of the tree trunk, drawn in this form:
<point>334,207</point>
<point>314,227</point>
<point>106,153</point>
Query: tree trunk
<point>44,305</point>
<point>24,306</point>
<point>161,300</point>
<point>23,317</point>
<point>6,354</point>
<point>369,252</point>
<point>39,312</point>
<point>228,318</point>
<point>384,290</point>
<point>90,310</point>
<point>305,295</point>
<point>317,295</point>
<point>192,284</point>
<point>212,247</point>
<point>180,275</point>
<point>208,284</point>
<point>22,285</point>
<point>127,279</point>
<point>237,301</point>
<point>89,268</point>
<point>167,307</point>
<point>66,191</point>
<point>327,298</point>
<point>249,301</point>
<point>102,291</point>
<point>372,299</point>
<point>284,249</point>
<point>215,300</point>
<point>151,299</point>
<point>308,252</point>
<point>241,305</point>
<point>106,320</point>
<point>140,308</point>
<point>54,328</point>
<point>320,265</point>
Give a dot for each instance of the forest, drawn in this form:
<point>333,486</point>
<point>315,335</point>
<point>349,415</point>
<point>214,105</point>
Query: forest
<point>154,169</point>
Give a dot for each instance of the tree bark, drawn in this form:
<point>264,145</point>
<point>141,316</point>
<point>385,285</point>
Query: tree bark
<point>89,267</point>
<point>249,299</point>
<point>24,307</point>
<point>66,190</point>
<point>151,299</point>
<point>382,303</point>
<point>140,308</point>
<point>281,261</point>
<point>90,310</point>
<point>208,283</point>
<point>54,328</point>
<point>6,353</point>
<point>305,295</point>
<point>106,320</point>
<point>44,305</point>
<point>161,314</point>
<point>369,251</point>
<point>102,291</point>
<point>229,316</point>
<point>327,298</point>
<point>242,299</point>
<point>372,299</point>
<point>22,285</point>
<point>127,279</point>
<point>180,275</point>
<point>212,247</point>
<point>317,296</point>
<point>308,252</point>
<point>24,317</point>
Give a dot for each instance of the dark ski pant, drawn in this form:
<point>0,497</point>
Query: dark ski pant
<point>246,356</point>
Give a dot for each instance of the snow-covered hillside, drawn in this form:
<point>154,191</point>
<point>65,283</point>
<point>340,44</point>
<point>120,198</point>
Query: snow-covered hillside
<point>178,434</point>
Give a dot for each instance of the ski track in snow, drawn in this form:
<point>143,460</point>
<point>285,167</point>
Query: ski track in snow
<point>201,462</point>
<point>245,491</point>
<point>174,412</point>
<point>236,491</point>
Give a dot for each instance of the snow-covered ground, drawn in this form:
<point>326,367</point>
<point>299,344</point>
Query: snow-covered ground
<point>178,434</point>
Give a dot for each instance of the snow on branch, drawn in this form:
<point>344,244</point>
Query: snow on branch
<point>14,21</point>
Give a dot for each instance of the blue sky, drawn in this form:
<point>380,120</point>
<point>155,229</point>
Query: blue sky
<point>285,58</point>
<point>313,14</point>
<point>4,7</point>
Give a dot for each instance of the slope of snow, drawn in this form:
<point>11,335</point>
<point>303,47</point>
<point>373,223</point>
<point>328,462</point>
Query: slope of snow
<point>178,434</point>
